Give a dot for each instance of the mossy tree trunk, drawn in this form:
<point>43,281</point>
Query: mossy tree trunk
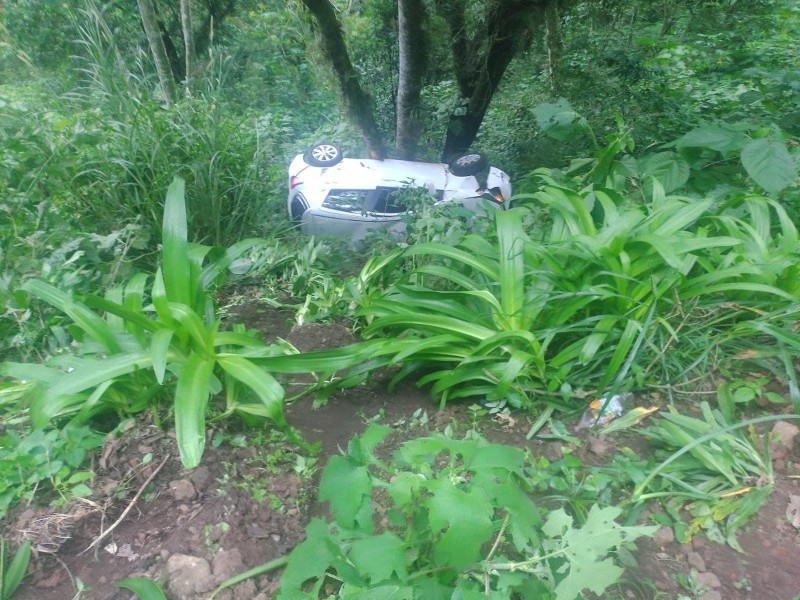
<point>357,102</point>
<point>412,66</point>
<point>158,50</point>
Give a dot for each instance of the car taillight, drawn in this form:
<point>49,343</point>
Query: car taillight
<point>494,194</point>
<point>294,182</point>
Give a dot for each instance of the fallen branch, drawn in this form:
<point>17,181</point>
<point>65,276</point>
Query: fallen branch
<point>125,512</point>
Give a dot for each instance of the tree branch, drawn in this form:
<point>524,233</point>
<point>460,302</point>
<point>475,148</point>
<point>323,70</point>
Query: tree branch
<point>356,100</point>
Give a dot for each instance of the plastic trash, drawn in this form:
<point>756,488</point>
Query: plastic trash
<point>602,411</point>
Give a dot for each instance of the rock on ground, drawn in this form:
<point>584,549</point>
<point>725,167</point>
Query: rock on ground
<point>188,576</point>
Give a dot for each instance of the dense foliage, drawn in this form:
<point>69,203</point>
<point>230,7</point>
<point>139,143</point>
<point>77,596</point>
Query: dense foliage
<point>653,245</point>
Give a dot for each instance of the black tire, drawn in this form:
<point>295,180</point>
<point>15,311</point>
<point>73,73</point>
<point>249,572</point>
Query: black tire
<point>324,155</point>
<point>468,164</point>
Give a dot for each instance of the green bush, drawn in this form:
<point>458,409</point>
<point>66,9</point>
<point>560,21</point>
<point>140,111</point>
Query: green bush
<point>128,356</point>
<point>592,297</point>
<point>447,518</point>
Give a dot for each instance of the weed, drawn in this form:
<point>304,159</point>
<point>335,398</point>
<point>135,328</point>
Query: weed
<point>454,515</point>
<point>29,463</point>
<point>12,572</point>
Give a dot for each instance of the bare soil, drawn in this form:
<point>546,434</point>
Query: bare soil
<point>250,500</point>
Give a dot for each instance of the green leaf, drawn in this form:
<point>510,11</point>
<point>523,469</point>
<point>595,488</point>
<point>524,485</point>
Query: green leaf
<point>769,163</point>
<point>193,325</point>
<point>81,491</point>
<point>378,557</point>
<point>265,386</point>
<point>498,456</point>
<point>383,592</point>
<point>159,348</point>
<point>309,560</point>
<point>403,487</point>
<point>560,121</point>
<point>347,486</point>
<point>29,372</point>
<point>96,372</point>
<point>714,137</point>
<point>175,253</point>
<point>511,238</point>
<point>668,168</point>
<point>191,398</point>
<point>13,575</point>
<point>143,587</point>
<point>98,329</point>
<point>131,317</point>
<point>586,549</point>
<point>466,519</point>
<point>160,300</point>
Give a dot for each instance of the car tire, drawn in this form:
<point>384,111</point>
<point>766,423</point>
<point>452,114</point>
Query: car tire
<point>324,155</point>
<point>468,164</point>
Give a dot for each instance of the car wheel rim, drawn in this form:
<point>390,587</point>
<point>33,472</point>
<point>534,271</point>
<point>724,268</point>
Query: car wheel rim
<point>324,152</point>
<point>468,159</point>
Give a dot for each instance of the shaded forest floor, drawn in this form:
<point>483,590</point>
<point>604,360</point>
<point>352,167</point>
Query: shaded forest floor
<point>250,500</point>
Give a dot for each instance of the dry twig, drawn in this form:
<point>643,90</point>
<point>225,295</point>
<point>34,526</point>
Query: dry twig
<point>124,514</point>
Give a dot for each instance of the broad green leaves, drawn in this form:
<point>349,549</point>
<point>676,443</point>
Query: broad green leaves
<point>354,509</point>
<point>768,162</point>
<point>510,316</point>
<point>560,121</point>
<point>671,171</point>
<point>464,517</point>
<point>444,529</point>
<point>130,351</point>
<point>717,138</point>
<point>191,398</point>
<point>765,159</point>
<point>587,549</point>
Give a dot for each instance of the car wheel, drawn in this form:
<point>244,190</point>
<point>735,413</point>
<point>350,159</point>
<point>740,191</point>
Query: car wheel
<point>323,155</point>
<point>468,164</point>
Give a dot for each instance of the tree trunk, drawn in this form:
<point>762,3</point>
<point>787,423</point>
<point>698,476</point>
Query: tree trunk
<point>412,64</point>
<point>356,100</point>
<point>480,63</point>
<point>555,46</point>
<point>157,48</point>
<point>188,44</point>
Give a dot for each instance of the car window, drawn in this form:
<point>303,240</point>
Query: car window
<point>385,200</point>
<point>351,201</point>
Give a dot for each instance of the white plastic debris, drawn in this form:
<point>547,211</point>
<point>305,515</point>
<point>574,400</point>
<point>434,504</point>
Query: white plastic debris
<point>602,411</point>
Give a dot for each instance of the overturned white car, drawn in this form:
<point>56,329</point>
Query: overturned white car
<point>348,197</point>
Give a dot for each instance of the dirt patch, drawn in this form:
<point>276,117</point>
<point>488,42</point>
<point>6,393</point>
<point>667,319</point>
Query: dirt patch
<point>250,500</point>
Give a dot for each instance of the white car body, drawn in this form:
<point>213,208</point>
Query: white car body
<point>353,196</point>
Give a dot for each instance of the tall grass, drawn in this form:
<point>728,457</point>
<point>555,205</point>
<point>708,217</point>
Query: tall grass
<point>123,178</point>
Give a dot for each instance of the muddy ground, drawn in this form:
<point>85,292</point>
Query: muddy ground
<point>250,500</point>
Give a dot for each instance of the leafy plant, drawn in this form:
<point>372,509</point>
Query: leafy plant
<point>29,463</point>
<point>12,573</point>
<point>710,466</point>
<point>129,355</point>
<point>445,517</point>
<point>144,588</point>
<point>590,297</point>
<point>481,333</point>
